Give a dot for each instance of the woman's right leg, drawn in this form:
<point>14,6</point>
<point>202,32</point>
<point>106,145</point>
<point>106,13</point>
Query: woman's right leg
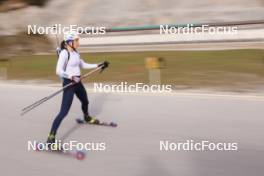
<point>67,99</point>
<point>82,95</point>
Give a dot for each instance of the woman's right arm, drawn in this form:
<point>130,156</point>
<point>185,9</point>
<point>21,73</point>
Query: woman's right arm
<point>62,61</point>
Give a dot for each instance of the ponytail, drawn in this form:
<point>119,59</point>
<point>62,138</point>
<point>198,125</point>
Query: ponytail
<point>62,45</point>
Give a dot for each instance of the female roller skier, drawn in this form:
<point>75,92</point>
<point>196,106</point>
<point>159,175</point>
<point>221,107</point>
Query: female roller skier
<point>68,68</point>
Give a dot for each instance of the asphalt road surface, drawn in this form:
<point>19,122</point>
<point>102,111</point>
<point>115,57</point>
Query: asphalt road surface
<point>133,148</point>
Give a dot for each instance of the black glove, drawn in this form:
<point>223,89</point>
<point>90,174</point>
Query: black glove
<point>103,65</point>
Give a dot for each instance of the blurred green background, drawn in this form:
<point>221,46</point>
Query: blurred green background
<point>228,69</point>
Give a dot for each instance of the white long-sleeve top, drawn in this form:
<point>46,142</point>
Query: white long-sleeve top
<point>72,67</point>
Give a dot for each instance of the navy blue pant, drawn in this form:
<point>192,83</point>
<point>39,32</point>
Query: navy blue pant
<point>68,94</point>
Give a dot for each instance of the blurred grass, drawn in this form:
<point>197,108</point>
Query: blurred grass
<point>231,68</point>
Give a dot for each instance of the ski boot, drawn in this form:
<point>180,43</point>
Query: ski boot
<point>91,120</point>
<point>51,141</point>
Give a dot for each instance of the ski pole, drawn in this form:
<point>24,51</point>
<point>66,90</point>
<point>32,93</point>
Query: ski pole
<point>36,104</point>
<point>39,102</point>
<point>25,108</point>
<point>57,52</point>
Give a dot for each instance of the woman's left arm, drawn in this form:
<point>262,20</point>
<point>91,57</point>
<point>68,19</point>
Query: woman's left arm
<point>87,65</point>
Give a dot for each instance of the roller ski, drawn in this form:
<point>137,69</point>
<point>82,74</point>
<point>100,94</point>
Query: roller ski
<point>53,146</point>
<point>93,121</point>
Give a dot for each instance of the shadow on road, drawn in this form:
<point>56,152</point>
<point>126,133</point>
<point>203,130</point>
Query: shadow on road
<point>97,107</point>
<point>69,132</point>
